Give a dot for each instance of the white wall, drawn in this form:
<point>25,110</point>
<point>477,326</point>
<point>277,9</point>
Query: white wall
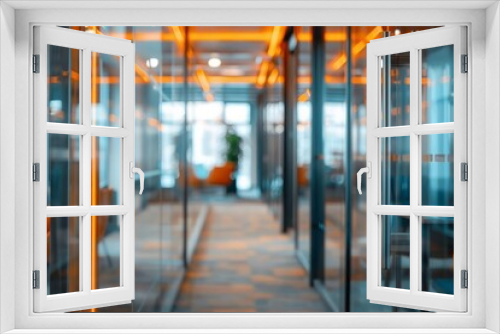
<point>7,159</point>
<point>492,149</point>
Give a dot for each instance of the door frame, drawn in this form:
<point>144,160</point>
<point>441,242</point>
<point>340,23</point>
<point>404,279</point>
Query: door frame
<point>474,19</point>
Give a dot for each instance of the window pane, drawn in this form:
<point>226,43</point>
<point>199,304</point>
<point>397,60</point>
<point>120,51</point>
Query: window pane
<point>437,84</point>
<point>63,84</point>
<point>437,170</point>
<point>63,255</point>
<point>437,254</point>
<point>106,171</point>
<point>395,89</point>
<point>105,248</point>
<point>105,92</point>
<point>395,252</point>
<point>395,171</point>
<point>63,170</point>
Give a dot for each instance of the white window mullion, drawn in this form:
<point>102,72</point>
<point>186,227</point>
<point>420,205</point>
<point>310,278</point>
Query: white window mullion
<point>373,184</point>
<point>414,172</point>
<point>87,173</point>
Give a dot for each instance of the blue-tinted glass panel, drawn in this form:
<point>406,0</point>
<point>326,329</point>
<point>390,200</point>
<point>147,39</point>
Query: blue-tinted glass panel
<point>105,252</point>
<point>395,89</point>
<point>395,171</point>
<point>106,171</point>
<point>63,255</point>
<point>63,170</point>
<point>105,93</point>
<point>437,84</point>
<point>437,170</point>
<point>395,252</point>
<point>63,84</point>
<point>437,254</point>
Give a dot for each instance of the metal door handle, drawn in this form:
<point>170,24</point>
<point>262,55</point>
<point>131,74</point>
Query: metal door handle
<point>368,171</point>
<point>139,171</point>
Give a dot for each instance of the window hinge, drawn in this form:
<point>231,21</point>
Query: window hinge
<point>36,172</point>
<point>36,279</point>
<point>465,279</point>
<point>465,64</point>
<point>464,171</point>
<point>36,63</point>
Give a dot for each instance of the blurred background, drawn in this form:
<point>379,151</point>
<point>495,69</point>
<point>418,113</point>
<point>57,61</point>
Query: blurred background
<point>248,137</point>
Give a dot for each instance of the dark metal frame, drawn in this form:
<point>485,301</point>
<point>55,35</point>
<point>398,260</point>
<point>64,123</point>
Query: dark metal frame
<point>289,208</point>
<point>185,193</point>
<point>317,259</point>
<point>348,175</point>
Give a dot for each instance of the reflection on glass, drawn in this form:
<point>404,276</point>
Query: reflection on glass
<point>395,170</point>
<point>437,170</point>
<point>63,170</point>
<point>304,142</point>
<point>63,84</point>
<point>105,241</point>
<point>106,171</point>
<point>395,241</point>
<point>437,84</point>
<point>395,89</point>
<point>274,118</point>
<point>63,255</point>
<point>437,254</point>
<point>105,93</point>
<point>334,143</point>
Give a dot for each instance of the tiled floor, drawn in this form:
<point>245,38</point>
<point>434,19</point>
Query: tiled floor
<point>244,264</point>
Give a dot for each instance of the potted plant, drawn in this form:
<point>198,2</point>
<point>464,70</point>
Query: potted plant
<point>233,154</point>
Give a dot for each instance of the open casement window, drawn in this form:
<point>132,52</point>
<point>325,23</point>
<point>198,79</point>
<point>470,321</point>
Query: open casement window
<point>83,165</point>
<point>416,151</point>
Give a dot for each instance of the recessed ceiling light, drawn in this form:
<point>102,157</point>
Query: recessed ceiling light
<point>214,62</point>
<point>397,32</point>
<point>152,62</point>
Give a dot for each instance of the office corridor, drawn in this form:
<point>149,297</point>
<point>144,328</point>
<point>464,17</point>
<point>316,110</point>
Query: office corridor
<point>244,264</point>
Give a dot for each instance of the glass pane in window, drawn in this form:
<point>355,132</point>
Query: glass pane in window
<point>106,171</point>
<point>437,254</point>
<point>395,257</point>
<point>63,170</point>
<point>105,247</point>
<point>437,170</point>
<point>395,89</point>
<point>105,93</point>
<point>395,171</point>
<point>63,85</point>
<point>437,84</point>
<point>63,255</point>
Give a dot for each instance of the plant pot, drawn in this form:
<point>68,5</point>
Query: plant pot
<point>231,188</point>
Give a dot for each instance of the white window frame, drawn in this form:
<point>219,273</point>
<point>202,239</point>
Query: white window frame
<point>86,44</point>
<point>483,101</point>
<point>414,297</point>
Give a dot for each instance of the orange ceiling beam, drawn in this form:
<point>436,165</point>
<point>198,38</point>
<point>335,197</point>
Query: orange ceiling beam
<point>275,40</point>
<point>221,36</point>
<point>223,80</point>
<point>202,80</point>
<point>333,36</point>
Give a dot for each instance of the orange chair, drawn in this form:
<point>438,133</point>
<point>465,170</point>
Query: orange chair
<point>302,177</point>
<point>192,180</point>
<point>221,175</point>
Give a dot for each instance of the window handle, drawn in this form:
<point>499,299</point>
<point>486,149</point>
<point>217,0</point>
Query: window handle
<point>368,171</point>
<point>139,171</point>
